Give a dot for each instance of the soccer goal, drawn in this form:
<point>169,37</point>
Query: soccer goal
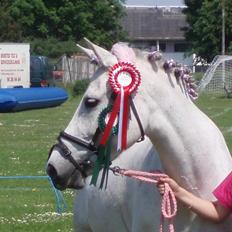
<point>218,77</point>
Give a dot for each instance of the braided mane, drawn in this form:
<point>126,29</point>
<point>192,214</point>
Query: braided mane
<point>182,73</point>
<point>183,76</point>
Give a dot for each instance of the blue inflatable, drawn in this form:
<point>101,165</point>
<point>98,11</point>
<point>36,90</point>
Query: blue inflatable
<point>17,99</point>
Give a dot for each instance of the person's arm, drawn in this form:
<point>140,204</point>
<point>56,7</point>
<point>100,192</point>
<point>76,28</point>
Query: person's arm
<point>213,211</point>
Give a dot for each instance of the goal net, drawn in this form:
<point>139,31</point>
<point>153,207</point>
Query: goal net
<point>218,77</point>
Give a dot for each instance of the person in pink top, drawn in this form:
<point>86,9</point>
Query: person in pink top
<point>216,211</point>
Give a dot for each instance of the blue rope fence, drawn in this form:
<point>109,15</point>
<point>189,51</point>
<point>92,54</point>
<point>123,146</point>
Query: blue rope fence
<point>61,205</point>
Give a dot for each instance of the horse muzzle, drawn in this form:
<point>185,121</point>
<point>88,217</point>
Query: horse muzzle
<point>74,180</point>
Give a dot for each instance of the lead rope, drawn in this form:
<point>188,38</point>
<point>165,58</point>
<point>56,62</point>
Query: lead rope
<point>168,203</point>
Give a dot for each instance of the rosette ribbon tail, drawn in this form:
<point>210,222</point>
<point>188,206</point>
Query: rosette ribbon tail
<point>123,119</point>
<point>107,163</point>
<point>111,121</point>
<point>103,161</point>
<point>98,165</point>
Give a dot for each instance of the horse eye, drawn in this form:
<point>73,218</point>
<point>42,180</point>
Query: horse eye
<point>91,102</point>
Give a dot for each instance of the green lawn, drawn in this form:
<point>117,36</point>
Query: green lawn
<point>25,139</point>
<point>219,109</point>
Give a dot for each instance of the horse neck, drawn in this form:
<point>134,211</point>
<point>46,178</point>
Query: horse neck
<point>188,142</point>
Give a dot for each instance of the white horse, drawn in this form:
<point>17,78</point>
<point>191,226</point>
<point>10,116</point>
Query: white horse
<point>191,148</point>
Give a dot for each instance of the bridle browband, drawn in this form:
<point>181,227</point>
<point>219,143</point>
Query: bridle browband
<point>91,146</point>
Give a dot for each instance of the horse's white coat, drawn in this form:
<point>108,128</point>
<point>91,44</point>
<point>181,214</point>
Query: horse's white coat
<point>191,148</point>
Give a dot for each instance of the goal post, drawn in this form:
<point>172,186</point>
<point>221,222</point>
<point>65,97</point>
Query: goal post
<point>218,76</point>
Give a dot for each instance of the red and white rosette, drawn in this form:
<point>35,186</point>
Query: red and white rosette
<point>124,79</point>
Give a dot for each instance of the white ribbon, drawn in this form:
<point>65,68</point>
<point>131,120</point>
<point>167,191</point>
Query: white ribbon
<point>120,120</point>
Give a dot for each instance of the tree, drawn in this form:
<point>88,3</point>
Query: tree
<point>228,9</point>
<point>10,29</point>
<point>52,27</point>
<point>205,27</point>
<point>69,19</point>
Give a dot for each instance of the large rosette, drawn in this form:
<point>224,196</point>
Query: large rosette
<point>124,75</point>
<point>124,80</point>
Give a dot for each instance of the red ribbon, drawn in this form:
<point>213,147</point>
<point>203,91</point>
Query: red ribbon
<point>125,118</point>
<point>111,121</point>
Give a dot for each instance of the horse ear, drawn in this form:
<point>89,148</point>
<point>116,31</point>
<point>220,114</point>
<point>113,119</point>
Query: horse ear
<point>93,58</point>
<point>106,58</point>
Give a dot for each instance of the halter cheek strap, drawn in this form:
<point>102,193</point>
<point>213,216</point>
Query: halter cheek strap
<point>138,120</point>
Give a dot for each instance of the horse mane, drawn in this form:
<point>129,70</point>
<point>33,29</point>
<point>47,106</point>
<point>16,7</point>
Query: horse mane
<point>183,76</point>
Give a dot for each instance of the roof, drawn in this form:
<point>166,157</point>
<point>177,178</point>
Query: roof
<point>154,23</point>
<point>155,2</point>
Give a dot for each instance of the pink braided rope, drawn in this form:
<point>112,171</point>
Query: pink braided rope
<point>168,203</point>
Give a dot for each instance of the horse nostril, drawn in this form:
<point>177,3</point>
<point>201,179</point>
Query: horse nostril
<point>51,171</point>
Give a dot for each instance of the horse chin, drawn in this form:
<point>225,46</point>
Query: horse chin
<point>72,185</point>
<point>76,181</point>
<point>76,185</point>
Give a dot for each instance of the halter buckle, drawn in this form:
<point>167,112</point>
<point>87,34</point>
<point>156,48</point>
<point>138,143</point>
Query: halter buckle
<point>116,170</point>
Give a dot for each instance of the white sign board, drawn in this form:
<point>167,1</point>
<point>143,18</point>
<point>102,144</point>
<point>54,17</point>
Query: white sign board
<point>14,65</point>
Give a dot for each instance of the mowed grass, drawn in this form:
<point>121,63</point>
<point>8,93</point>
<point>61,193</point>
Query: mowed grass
<point>219,109</point>
<point>25,139</point>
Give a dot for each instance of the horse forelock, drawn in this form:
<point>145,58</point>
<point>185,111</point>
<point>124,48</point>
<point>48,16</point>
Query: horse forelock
<point>123,53</point>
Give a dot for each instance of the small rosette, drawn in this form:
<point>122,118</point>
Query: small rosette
<point>103,119</point>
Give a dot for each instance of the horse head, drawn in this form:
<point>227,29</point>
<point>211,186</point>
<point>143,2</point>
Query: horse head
<point>73,157</point>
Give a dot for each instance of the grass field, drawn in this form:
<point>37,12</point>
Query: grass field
<point>219,109</point>
<point>25,139</point>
